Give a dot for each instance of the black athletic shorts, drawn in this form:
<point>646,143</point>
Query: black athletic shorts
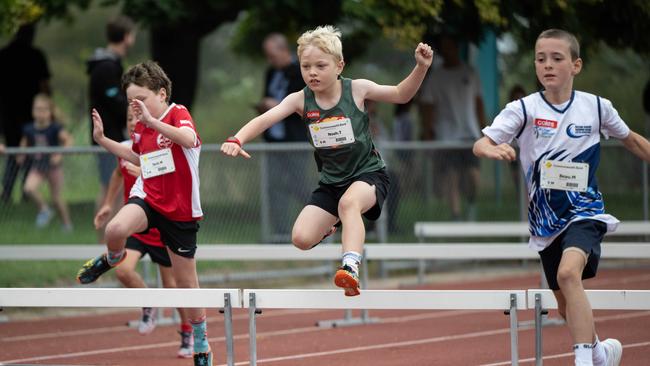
<point>158,255</point>
<point>585,235</point>
<point>179,236</point>
<point>327,196</point>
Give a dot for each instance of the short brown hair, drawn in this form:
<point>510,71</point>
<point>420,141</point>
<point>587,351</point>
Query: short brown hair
<point>574,46</point>
<point>118,28</point>
<point>149,75</point>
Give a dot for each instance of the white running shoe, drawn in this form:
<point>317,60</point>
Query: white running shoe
<point>148,321</point>
<point>186,349</point>
<point>613,350</point>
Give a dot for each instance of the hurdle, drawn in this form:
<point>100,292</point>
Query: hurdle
<point>542,300</point>
<point>508,301</point>
<point>224,299</point>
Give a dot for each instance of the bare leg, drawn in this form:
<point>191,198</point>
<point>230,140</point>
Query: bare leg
<point>579,315</point>
<point>168,281</point>
<point>32,183</point>
<point>184,273</point>
<point>312,224</point>
<point>359,198</point>
<point>451,183</point>
<point>129,220</point>
<point>55,177</point>
<point>126,272</point>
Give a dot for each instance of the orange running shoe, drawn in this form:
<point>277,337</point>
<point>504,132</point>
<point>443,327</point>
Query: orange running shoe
<point>347,279</point>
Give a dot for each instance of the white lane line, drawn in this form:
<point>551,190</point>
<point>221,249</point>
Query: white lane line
<point>562,355</point>
<point>310,329</point>
<point>124,328</point>
<point>425,341</point>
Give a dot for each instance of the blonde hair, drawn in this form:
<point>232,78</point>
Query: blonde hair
<point>327,38</point>
<point>574,46</point>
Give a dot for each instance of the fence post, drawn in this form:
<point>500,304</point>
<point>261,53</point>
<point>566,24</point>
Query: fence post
<point>252,332</point>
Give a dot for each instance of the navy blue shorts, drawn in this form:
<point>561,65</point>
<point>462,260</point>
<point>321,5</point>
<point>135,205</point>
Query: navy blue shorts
<point>585,235</point>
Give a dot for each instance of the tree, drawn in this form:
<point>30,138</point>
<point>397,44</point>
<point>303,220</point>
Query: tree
<point>178,26</point>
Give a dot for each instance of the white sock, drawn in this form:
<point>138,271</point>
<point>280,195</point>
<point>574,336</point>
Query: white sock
<point>583,353</point>
<point>599,357</point>
<point>352,259</point>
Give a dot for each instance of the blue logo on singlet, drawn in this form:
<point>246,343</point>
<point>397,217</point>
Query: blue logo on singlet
<point>577,132</point>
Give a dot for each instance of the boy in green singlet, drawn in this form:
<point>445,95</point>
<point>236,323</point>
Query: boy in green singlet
<point>353,180</point>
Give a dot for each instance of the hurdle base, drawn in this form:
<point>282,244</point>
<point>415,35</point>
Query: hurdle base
<point>163,322</point>
<point>346,322</point>
<point>546,322</point>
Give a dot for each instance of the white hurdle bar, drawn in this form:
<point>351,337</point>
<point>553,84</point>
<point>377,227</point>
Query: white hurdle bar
<point>224,299</point>
<point>505,300</point>
<point>253,252</point>
<point>506,229</point>
<point>542,300</point>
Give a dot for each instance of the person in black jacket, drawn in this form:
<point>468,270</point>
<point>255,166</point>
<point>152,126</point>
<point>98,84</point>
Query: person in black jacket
<point>24,73</point>
<point>105,90</point>
<point>286,169</point>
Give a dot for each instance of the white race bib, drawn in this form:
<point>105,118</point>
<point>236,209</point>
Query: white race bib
<point>332,133</point>
<point>564,176</point>
<point>157,163</point>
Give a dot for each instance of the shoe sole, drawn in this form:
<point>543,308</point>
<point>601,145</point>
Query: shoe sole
<point>348,283</point>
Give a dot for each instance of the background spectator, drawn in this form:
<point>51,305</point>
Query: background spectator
<point>283,78</point>
<point>24,73</point>
<point>105,90</point>
<point>451,109</point>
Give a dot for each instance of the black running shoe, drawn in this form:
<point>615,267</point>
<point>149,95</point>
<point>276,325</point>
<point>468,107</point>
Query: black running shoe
<point>94,268</point>
<point>203,359</point>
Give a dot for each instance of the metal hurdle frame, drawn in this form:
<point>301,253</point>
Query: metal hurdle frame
<point>224,299</point>
<point>508,301</point>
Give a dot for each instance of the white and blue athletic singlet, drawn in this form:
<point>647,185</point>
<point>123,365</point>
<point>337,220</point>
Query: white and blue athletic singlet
<point>570,133</point>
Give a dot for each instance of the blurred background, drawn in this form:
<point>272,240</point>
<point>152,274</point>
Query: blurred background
<point>212,51</point>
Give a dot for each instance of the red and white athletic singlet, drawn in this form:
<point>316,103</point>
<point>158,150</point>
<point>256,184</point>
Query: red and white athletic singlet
<point>175,195</point>
<point>152,237</point>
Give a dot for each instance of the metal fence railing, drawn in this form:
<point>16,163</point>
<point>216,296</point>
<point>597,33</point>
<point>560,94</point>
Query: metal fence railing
<point>257,200</point>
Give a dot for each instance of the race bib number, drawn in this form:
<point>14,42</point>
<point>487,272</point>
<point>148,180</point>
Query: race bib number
<point>564,176</point>
<point>332,133</point>
<point>157,163</point>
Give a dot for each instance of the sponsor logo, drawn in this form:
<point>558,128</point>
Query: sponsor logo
<point>163,142</point>
<point>547,123</point>
<point>181,250</point>
<point>313,114</point>
<point>185,122</point>
<point>576,132</point>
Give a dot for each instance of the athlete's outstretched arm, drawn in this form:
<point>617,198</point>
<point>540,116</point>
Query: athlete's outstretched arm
<point>638,145</point>
<point>292,103</point>
<point>406,89</point>
<point>486,148</point>
<point>112,146</point>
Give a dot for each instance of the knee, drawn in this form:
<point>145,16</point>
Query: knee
<point>348,205</point>
<point>567,276</point>
<point>116,230</point>
<point>302,240</point>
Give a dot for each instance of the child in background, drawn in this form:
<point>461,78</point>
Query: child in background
<point>165,196</point>
<point>45,131</point>
<point>558,131</point>
<point>353,179</point>
<point>139,245</point>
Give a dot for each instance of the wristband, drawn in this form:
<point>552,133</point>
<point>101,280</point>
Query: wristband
<point>234,140</point>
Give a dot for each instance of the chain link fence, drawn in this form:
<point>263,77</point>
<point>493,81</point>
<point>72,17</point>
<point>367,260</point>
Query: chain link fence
<point>257,200</point>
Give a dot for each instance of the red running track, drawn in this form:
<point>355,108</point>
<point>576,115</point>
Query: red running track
<point>289,337</point>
